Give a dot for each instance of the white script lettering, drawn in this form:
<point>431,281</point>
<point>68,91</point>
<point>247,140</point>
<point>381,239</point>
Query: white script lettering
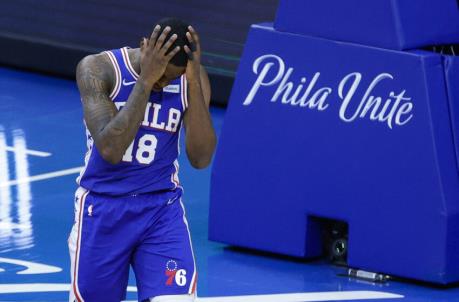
<point>394,109</point>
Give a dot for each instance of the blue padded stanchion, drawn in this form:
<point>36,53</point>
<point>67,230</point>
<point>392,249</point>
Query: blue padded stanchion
<point>452,80</point>
<point>317,128</point>
<point>392,24</point>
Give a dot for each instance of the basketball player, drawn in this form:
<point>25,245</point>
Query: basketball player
<point>128,206</point>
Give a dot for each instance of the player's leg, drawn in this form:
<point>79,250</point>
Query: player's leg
<point>99,252</point>
<point>164,262</point>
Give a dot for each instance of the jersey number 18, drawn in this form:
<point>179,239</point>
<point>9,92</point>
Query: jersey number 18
<point>146,150</point>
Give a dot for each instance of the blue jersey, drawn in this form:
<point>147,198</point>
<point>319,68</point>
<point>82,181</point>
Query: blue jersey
<point>150,163</point>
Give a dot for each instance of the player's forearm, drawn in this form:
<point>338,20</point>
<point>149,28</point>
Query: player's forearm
<point>119,133</point>
<point>200,134</point>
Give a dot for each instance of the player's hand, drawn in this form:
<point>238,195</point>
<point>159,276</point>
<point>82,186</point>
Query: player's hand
<point>154,56</point>
<point>193,68</point>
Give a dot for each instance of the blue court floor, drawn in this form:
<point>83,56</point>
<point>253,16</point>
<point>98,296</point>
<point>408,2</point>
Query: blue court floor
<point>42,144</point>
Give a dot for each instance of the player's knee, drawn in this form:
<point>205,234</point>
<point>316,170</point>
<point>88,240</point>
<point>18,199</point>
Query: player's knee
<point>174,298</point>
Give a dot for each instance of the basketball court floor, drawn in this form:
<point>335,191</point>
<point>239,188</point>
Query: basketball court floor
<point>42,144</point>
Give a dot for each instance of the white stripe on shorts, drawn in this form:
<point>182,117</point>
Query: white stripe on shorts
<point>75,244</point>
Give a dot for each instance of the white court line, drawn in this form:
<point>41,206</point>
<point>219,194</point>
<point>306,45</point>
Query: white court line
<point>44,176</point>
<point>30,152</point>
<point>307,297</point>
<point>32,268</point>
<point>299,297</point>
<point>33,288</point>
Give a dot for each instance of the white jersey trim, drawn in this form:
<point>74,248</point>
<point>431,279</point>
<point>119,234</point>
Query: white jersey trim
<point>128,64</point>
<point>184,94</point>
<point>87,157</point>
<point>117,87</point>
<point>174,177</point>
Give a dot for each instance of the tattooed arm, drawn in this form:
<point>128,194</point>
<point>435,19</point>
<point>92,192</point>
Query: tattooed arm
<point>112,130</point>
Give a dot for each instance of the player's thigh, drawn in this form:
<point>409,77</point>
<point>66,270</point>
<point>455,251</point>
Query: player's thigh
<point>164,262</point>
<point>99,257</point>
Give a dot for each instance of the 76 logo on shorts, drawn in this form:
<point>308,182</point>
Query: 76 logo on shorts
<point>179,276</point>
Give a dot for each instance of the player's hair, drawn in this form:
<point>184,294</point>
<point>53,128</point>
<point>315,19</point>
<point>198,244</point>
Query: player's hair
<point>180,28</point>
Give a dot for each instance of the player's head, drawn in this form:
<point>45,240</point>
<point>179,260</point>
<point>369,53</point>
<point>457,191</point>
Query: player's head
<point>177,66</point>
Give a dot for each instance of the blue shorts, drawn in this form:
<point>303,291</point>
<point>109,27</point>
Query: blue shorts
<point>148,232</point>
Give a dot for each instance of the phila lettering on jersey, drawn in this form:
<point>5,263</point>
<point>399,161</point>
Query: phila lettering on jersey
<point>150,163</point>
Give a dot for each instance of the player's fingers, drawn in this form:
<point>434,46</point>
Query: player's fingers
<point>188,52</point>
<point>189,37</point>
<point>191,41</point>
<point>162,38</point>
<point>169,43</point>
<point>143,44</point>
<point>173,52</point>
<point>194,34</point>
<point>155,34</point>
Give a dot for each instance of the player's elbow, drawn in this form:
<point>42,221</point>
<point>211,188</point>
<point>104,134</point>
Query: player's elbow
<point>110,156</point>
<point>200,155</point>
<point>113,160</point>
<point>201,162</point>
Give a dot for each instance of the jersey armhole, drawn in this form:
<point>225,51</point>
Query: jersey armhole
<point>184,92</point>
<point>116,68</point>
